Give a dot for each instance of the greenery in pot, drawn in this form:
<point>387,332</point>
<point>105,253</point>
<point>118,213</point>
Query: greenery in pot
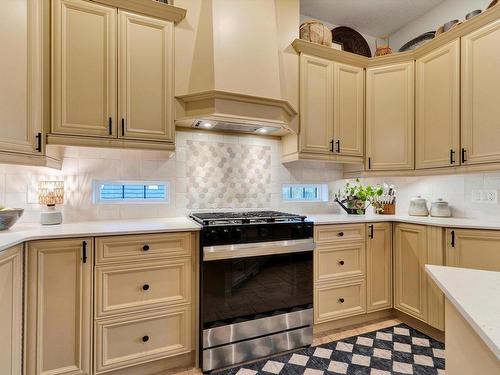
<point>356,195</point>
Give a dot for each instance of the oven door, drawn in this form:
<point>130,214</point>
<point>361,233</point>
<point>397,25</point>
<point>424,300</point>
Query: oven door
<point>245,282</point>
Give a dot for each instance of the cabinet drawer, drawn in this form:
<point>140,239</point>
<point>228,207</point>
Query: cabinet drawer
<point>133,287</point>
<point>143,247</point>
<point>339,300</point>
<point>126,341</point>
<point>339,233</point>
<point>335,262</point>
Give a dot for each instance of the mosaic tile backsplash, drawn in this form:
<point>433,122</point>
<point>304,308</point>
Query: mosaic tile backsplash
<point>228,175</point>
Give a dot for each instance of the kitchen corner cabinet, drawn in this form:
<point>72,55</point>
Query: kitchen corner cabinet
<point>331,107</point>
<point>112,76</point>
<point>390,117</point>
<point>59,306</point>
<point>437,127</point>
<point>480,95</point>
<point>470,248</point>
<point>21,33</point>
<point>379,266</point>
<point>11,310</point>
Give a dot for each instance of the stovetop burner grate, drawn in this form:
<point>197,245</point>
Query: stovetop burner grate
<point>224,218</point>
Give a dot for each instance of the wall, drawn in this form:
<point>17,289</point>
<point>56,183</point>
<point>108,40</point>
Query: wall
<point>238,172</point>
<point>436,17</point>
<point>369,39</point>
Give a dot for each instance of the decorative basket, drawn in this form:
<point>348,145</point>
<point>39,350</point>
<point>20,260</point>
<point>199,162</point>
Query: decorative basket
<point>383,50</point>
<point>314,31</point>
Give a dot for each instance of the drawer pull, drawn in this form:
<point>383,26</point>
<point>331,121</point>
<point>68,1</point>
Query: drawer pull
<point>341,300</point>
<point>145,247</point>
<point>145,338</point>
<point>145,287</point>
<point>341,234</point>
<point>341,262</point>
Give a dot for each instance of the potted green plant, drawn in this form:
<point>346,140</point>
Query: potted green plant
<point>356,197</point>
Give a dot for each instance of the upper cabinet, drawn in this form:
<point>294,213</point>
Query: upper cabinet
<point>389,117</point>
<point>112,77</point>
<point>437,135</point>
<point>481,95</point>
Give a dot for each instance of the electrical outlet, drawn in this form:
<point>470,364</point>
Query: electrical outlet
<point>487,196</point>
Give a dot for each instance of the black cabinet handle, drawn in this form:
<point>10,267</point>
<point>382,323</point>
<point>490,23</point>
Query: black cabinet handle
<point>331,146</point>
<point>110,125</point>
<point>123,126</point>
<point>369,163</point>
<point>338,146</point>
<point>341,262</point>
<point>452,157</point>
<point>464,151</point>
<point>452,238</point>
<point>341,300</point>
<point>341,234</point>
<point>371,230</point>
<point>39,142</point>
<point>145,247</point>
<point>145,338</point>
<point>145,287</point>
<point>84,251</point>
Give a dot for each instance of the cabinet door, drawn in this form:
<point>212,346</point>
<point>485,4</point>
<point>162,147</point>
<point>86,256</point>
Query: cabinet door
<point>20,75</point>
<point>145,77</point>
<point>410,255</point>
<point>348,109</point>
<point>11,310</point>
<point>389,117</point>
<point>379,267</point>
<point>481,95</point>
<point>316,105</point>
<point>59,307</point>
<point>84,78</point>
<point>478,249</point>
<point>437,128</point>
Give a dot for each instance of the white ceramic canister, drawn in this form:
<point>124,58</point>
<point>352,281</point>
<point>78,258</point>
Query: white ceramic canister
<point>418,207</point>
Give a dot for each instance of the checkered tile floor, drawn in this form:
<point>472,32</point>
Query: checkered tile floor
<point>394,350</point>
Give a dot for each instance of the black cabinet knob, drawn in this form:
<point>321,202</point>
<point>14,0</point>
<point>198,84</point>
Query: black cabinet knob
<point>341,234</point>
<point>145,247</point>
<point>341,262</point>
<point>341,300</point>
<point>145,338</point>
<point>145,287</point>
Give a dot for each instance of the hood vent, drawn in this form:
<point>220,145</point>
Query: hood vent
<point>235,66</point>
<point>235,127</point>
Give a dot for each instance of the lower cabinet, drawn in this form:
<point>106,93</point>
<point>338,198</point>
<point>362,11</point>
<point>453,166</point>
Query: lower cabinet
<point>470,248</point>
<point>11,306</point>
<point>59,307</point>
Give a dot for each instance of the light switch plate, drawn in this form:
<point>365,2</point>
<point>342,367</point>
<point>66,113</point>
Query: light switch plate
<point>486,196</point>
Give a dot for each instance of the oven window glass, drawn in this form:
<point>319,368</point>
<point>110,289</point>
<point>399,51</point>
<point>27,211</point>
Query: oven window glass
<point>236,290</point>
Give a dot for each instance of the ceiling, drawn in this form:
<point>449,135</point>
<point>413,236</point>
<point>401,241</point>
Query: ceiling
<point>372,17</point>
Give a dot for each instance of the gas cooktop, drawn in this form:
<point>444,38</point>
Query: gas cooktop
<point>248,217</point>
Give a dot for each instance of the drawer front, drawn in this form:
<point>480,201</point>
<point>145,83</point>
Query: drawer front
<point>339,300</point>
<point>339,233</point>
<point>134,287</point>
<point>119,249</point>
<point>126,341</point>
<point>334,262</point>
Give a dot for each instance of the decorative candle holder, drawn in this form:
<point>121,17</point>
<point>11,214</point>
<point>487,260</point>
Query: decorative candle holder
<point>51,193</point>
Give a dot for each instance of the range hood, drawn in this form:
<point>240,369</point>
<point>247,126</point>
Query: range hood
<point>235,68</point>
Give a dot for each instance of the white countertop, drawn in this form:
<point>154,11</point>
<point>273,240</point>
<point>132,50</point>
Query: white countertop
<point>476,295</point>
<point>21,233</point>
<point>448,222</point>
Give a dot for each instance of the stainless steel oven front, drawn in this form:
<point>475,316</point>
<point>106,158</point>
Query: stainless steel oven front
<point>256,300</point>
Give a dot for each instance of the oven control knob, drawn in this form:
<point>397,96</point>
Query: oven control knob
<point>236,234</point>
<point>226,234</point>
<point>263,232</point>
<point>213,235</point>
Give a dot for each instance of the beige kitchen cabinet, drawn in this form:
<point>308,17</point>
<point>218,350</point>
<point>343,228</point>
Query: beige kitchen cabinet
<point>21,33</point>
<point>84,66</point>
<point>11,310</point>
<point>379,266</point>
<point>472,248</point>
<point>146,77</point>
<point>437,107</point>
<point>339,300</point>
<point>59,307</point>
<point>390,117</point>
<point>480,83</point>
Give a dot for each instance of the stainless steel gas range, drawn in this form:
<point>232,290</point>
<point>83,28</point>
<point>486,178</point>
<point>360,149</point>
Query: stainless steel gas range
<point>256,285</point>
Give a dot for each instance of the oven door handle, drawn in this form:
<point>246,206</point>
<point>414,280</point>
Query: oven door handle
<point>246,250</point>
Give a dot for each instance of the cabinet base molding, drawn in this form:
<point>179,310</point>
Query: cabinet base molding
<point>354,320</point>
<point>419,325</point>
<point>67,140</point>
<point>165,366</point>
<point>34,160</point>
<point>296,156</point>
